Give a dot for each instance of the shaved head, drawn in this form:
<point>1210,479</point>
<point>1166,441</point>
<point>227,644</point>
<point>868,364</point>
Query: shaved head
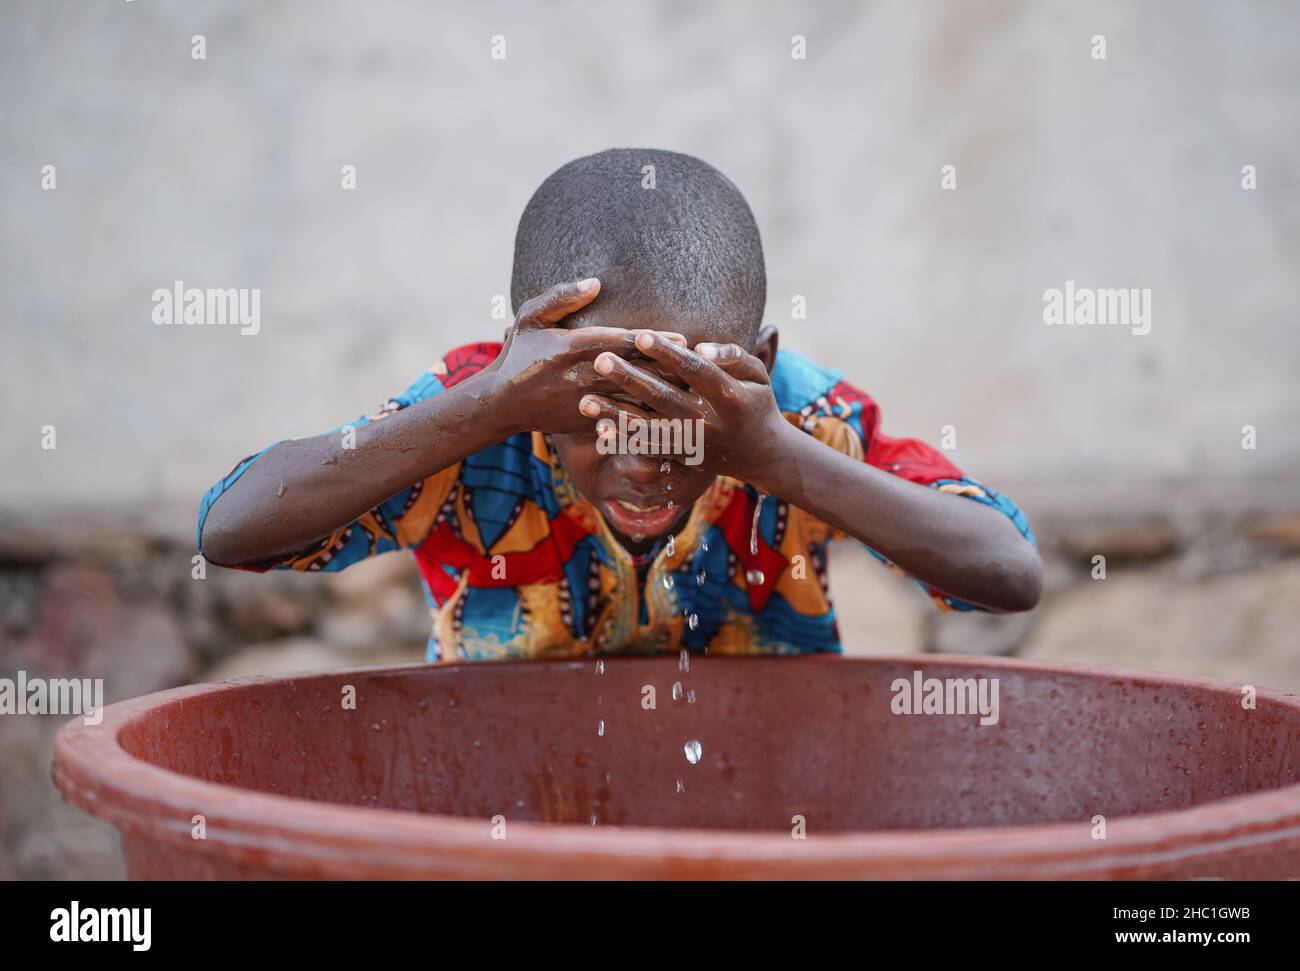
<point>686,249</point>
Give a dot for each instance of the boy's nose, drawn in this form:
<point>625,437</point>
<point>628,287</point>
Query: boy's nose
<point>641,470</point>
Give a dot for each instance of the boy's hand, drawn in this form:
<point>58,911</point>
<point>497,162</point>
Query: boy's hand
<point>726,386</point>
<point>545,369</point>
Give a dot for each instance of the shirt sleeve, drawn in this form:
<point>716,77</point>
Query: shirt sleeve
<point>400,522</point>
<point>848,419</point>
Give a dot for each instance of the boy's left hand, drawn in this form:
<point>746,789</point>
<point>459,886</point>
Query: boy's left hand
<point>727,388</point>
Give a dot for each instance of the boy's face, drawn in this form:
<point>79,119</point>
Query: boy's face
<point>640,501</point>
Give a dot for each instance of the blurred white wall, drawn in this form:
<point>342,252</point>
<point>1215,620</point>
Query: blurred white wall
<point>225,172</point>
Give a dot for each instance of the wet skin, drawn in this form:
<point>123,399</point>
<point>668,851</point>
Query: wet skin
<point>615,482</point>
<point>562,382</point>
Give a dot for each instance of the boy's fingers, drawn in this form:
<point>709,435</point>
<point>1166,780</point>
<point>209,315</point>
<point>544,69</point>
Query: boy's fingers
<point>597,406</point>
<point>735,360</point>
<point>584,376</point>
<point>556,304</point>
<point>612,339</point>
<point>697,371</point>
<point>657,393</point>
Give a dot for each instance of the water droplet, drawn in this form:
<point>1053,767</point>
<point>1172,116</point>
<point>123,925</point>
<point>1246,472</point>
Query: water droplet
<point>693,621</point>
<point>671,548</point>
<point>666,467</point>
<point>753,528</point>
<point>681,786</point>
<point>693,751</point>
<point>280,491</point>
<point>593,819</point>
<point>669,487</point>
<point>668,581</point>
<point>375,726</point>
<point>699,578</point>
<point>704,547</point>
<point>690,697</point>
<point>677,691</point>
<point>600,729</point>
<point>684,662</point>
<point>670,504</point>
<point>600,667</point>
<point>755,578</point>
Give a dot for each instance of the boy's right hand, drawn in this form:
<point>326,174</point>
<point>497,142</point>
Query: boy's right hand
<point>545,370</point>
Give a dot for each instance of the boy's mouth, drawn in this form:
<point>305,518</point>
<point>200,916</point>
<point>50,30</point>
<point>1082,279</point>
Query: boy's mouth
<point>639,521</point>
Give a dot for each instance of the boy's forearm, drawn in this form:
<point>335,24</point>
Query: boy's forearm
<point>304,489</point>
<point>962,547</point>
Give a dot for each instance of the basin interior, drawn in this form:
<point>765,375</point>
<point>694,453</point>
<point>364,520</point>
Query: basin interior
<point>778,737</point>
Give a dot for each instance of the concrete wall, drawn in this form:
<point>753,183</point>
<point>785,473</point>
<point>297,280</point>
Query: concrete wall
<point>225,172</point>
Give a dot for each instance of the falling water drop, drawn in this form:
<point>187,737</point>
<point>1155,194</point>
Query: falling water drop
<point>668,581</point>
<point>666,467</point>
<point>600,667</point>
<point>704,546</point>
<point>753,528</point>
<point>681,786</point>
<point>280,491</point>
<point>593,819</point>
<point>671,548</point>
<point>677,691</point>
<point>670,504</point>
<point>699,578</point>
<point>693,621</point>
<point>693,751</point>
<point>600,729</point>
<point>690,697</point>
<point>755,578</point>
<point>684,662</point>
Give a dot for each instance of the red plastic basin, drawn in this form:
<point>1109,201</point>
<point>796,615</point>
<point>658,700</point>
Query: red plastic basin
<point>436,764</point>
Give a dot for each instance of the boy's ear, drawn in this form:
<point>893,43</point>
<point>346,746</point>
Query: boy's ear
<point>765,346</point>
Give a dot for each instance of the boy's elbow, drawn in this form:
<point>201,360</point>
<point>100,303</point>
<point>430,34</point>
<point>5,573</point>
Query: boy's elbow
<point>218,542</point>
<point>1024,583</point>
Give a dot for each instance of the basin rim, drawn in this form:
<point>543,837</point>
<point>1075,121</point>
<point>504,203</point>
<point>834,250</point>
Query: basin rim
<point>307,838</point>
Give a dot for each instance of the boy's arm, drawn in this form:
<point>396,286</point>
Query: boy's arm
<point>967,549</point>
<point>304,489</point>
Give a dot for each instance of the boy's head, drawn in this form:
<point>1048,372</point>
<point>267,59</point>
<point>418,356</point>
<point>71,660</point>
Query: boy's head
<point>676,248</point>
<point>671,239</point>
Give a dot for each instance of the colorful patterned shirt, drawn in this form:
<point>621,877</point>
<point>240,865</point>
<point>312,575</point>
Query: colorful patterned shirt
<point>516,564</point>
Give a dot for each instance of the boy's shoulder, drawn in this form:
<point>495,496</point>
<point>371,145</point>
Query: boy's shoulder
<point>800,384</point>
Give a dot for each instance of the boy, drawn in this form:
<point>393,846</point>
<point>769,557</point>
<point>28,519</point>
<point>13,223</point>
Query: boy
<point>541,532</point>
